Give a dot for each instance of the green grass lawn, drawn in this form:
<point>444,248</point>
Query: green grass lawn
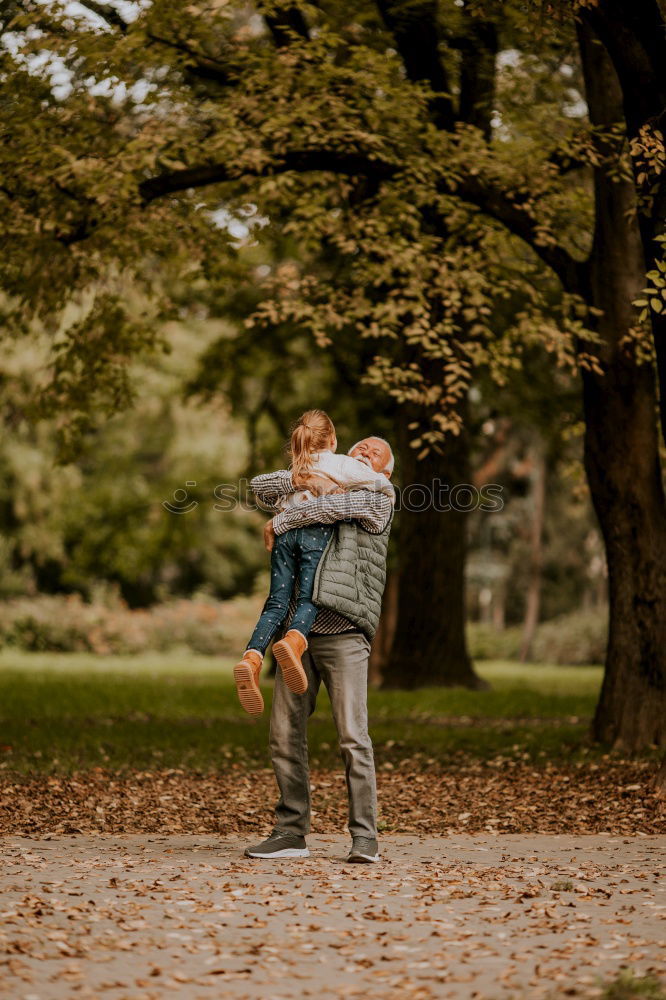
<point>64,712</point>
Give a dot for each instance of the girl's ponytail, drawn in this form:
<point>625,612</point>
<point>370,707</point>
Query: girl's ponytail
<point>311,434</point>
<point>301,449</point>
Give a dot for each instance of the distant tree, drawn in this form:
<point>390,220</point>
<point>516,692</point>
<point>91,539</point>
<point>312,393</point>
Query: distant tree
<point>98,522</point>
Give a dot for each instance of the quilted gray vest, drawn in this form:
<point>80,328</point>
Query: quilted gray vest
<point>351,575</point>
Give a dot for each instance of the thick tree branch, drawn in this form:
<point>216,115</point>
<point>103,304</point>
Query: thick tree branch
<point>490,199</point>
<point>635,39</point>
<point>477,72</point>
<point>498,204</point>
<point>301,161</point>
<point>413,24</point>
<point>201,67</point>
<point>285,22</point>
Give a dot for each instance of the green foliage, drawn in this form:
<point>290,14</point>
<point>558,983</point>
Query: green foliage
<point>101,519</point>
<point>184,165</point>
<point>382,205</point>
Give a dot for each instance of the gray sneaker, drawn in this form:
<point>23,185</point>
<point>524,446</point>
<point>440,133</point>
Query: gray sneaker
<point>364,850</point>
<point>280,844</point>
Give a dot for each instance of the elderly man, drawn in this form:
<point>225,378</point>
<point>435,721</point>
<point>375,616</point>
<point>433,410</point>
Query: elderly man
<point>348,589</point>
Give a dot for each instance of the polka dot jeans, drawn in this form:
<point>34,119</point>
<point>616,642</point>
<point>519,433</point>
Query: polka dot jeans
<point>295,557</point>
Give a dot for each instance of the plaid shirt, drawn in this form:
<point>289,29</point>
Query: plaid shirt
<point>371,510</point>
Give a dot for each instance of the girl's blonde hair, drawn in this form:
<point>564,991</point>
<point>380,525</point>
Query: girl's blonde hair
<point>311,434</point>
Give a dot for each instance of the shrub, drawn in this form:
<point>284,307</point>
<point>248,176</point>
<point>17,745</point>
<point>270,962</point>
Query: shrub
<point>489,643</point>
<point>574,639</point>
<point>68,624</point>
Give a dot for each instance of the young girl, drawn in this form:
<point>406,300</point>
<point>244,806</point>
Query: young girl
<point>296,555</point>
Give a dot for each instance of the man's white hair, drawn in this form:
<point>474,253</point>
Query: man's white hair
<point>388,468</point>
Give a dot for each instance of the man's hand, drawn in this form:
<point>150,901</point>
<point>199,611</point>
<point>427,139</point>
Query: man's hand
<point>269,535</point>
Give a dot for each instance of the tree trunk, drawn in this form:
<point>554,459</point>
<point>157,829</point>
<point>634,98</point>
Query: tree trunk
<point>499,607</point>
<point>533,603</point>
<point>625,482</point>
<point>660,781</point>
<point>634,35</point>
<point>429,647</point>
<point>621,453</point>
<point>383,640</point>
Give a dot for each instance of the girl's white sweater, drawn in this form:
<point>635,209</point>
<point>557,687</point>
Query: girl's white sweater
<point>347,472</point>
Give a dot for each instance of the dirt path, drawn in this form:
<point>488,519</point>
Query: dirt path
<point>467,916</point>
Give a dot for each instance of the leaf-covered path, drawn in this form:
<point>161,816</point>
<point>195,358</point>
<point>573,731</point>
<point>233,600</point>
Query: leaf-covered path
<point>496,796</point>
<point>149,916</point>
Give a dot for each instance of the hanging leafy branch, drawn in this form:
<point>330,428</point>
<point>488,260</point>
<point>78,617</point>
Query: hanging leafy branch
<point>170,116</point>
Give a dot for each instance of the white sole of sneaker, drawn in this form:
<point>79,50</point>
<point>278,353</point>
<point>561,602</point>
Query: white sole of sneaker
<point>363,859</point>
<point>288,852</point>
